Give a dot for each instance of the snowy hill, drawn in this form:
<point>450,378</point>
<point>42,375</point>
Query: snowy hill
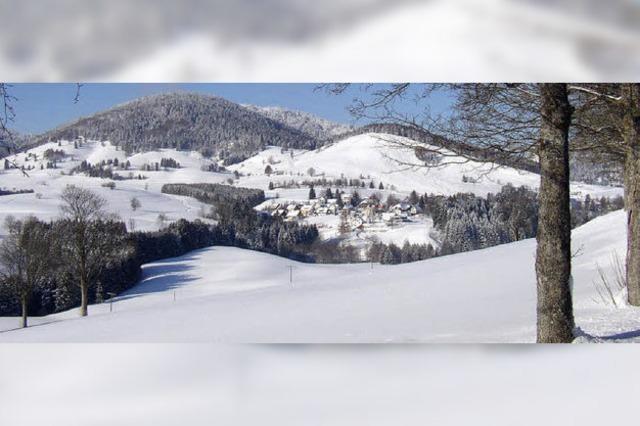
<point>48,184</point>
<point>235,295</point>
<point>310,124</point>
<point>187,121</point>
<point>374,156</point>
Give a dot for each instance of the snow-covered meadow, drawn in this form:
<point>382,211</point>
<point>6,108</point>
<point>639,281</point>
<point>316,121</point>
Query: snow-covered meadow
<point>226,294</point>
<point>48,184</point>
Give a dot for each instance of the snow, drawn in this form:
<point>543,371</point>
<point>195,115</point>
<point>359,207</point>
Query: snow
<point>341,385</point>
<point>381,158</point>
<point>227,294</point>
<point>48,184</point>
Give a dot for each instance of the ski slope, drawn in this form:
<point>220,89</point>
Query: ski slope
<point>385,158</point>
<point>224,294</point>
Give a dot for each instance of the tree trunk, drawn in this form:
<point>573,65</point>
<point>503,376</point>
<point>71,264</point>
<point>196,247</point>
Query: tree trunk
<point>631,136</point>
<point>84,301</point>
<point>553,255</point>
<point>23,303</point>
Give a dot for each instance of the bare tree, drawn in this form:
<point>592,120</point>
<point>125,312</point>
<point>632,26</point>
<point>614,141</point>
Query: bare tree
<point>135,204</point>
<point>24,258</point>
<point>608,124</point>
<point>87,246</point>
<point>7,115</point>
<point>501,124</point>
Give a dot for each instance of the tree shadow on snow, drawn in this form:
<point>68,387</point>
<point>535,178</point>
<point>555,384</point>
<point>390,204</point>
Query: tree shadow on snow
<point>161,277</point>
<point>584,337</point>
<point>625,335</point>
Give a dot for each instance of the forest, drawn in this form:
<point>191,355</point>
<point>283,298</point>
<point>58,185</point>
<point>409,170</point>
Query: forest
<point>185,122</point>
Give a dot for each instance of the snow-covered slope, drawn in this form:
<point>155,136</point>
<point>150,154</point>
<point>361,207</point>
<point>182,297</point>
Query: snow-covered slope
<point>234,295</point>
<point>310,124</point>
<point>376,156</point>
<point>49,183</point>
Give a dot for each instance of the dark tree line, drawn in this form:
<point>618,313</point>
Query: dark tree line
<point>169,163</point>
<point>13,192</point>
<point>469,222</point>
<point>214,193</point>
<point>105,169</point>
<point>392,254</point>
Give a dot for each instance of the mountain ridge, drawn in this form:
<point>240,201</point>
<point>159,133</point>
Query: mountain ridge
<point>190,121</point>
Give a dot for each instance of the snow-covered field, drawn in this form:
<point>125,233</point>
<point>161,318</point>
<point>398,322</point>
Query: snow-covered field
<point>48,184</point>
<point>234,295</point>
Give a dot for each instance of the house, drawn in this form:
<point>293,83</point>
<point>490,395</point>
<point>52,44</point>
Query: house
<point>388,218</point>
<point>403,210</point>
<point>369,213</point>
<point>293,215</point>
<point>307,210</point>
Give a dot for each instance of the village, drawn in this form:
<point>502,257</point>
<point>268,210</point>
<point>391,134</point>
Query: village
<point>352,210</point>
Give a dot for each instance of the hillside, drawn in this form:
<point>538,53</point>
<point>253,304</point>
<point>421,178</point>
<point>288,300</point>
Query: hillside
<point>352,158</point>
<point>375,156</point>
<point>48,183</point>
<point>235,295</point>
<point>183,121</point>
<point>310,124</point>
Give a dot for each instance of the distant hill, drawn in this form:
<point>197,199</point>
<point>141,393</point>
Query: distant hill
<point>185,121</point>
<point>310,124</point>
<point>216,126</point>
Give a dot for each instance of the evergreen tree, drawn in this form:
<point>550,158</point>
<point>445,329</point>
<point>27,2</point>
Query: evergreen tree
<point>413,198</point>
<point>355,199</point>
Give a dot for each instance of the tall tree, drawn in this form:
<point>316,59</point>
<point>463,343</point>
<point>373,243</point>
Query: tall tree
<point>553,253</point>
<point>608,125</point>
<point>631,140</point>
<point>498,123</point>
<point>24,258</point>
<point>89,244</point>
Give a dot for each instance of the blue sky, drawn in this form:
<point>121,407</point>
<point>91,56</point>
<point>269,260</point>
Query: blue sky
<point>40,107</point>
